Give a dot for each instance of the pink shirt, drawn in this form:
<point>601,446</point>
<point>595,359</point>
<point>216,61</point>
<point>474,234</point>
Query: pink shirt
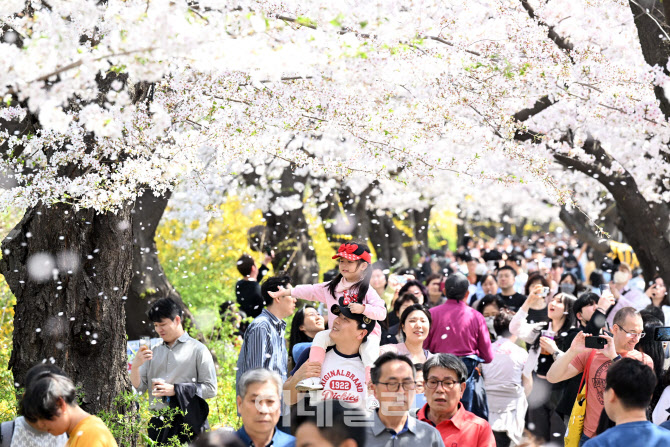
<point>595,387</point>
<point>460,330</point>
<point>375,307</point>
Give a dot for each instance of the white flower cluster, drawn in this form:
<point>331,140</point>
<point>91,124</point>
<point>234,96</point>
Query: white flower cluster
<point>418,95</point>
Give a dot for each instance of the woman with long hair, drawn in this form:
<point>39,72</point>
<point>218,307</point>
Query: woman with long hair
<point>537,311</point>
<point>659,297</point>
<point>569,283</point>
<point>544,420</point>
<point>489,284</point>
<point>490,306</point>
<point>307,322</point>
<point>653,349</point>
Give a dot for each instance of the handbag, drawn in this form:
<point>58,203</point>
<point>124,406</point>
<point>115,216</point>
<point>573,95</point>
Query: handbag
<point>474,397</point>
<point>576,422</point>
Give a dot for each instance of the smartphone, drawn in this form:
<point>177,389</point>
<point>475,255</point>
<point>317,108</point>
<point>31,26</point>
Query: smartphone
<point>604,287</point>
<point>400,279</point>
<point>662,334</point>
<point>595,342</point>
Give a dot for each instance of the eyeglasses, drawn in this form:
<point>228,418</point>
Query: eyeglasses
<point>395,386</point>
<point>632,334</point>
<point>447,384</point>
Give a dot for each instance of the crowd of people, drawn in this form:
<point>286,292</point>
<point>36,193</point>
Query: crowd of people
<point>504,343</point>
<point>507,343</point>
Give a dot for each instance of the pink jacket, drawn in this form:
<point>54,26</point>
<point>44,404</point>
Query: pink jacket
<point>375,307</point>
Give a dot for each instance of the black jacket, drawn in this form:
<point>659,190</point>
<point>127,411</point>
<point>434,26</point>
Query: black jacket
<point>188,398</point>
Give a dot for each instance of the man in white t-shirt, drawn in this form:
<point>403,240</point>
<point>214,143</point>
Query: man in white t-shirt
<point>342,372</point>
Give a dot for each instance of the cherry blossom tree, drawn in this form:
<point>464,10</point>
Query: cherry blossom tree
<point>106,101</point>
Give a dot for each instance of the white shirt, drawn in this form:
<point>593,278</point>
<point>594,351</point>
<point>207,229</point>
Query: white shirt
<point>343,378</point>
<point>507,365</point>
<point>504,389</point>
<point>660,414</point>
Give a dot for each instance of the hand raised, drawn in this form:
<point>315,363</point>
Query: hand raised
<point>281,292</point>
<point>142,356</point>
<point>609,350</point>
<point>578,343</point>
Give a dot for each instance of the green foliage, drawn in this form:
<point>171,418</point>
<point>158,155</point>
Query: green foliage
<point>205,273</point>
<point>8,393</point>
<point>131,418</point>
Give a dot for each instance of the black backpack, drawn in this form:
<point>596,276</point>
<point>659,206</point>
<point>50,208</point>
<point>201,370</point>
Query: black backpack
<point>6,433</point>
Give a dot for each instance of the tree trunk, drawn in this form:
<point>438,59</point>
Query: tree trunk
<point>149,282</point>
<point>420,220</point>
<point>405,225</point>
<point>344,217</point>
<point>69,271</point>
<point>387,239</point>
<point>649,18</point>
<point>643,224</point>
<point>289,238</point>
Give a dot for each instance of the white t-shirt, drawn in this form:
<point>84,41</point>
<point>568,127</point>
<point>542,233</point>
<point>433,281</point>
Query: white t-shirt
<point>26,436</point>
<point>343,378</point>
<point>507,365</point>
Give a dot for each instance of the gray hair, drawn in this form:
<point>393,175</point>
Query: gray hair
<point>447,361</point>
<point>259,375</point>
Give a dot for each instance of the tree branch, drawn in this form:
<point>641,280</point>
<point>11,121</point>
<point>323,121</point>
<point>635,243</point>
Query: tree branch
<point>540,105</point>
<point>651,29</point>
<point>560,41</point>
<point>580,223</point>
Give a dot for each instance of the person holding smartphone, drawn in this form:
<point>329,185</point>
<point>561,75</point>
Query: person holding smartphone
<point>614,291</point>
<point>658,294</point>
<point>547,342</point>
<point>627,330</point>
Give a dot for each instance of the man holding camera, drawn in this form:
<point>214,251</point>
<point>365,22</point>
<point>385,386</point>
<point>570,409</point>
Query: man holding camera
<point>626,333</point>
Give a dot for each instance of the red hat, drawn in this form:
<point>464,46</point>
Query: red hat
<point>353,252</point>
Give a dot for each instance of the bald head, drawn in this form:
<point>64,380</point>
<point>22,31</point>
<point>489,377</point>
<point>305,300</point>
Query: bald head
<point>456,286</point>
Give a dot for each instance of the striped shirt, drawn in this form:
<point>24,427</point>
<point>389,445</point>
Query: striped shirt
<point>264,346</point>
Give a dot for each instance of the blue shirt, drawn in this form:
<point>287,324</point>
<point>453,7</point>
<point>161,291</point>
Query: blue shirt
<point>264,346</point>
<point>642,433</point>
<point>280,439</point>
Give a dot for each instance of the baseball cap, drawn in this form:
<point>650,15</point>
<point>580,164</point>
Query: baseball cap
<point>369,323</point>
